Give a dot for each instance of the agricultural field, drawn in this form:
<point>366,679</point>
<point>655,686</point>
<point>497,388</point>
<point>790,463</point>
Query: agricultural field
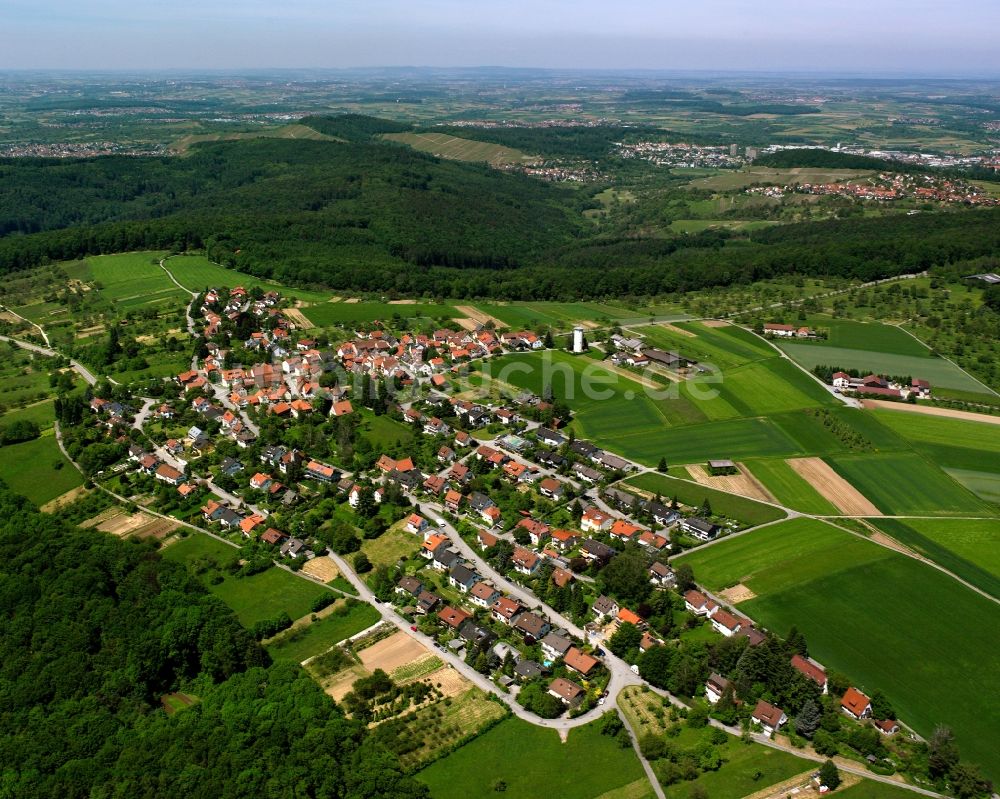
<point>953,443</point>
<point>454,148</point>
<point>196,272</point>
<point>563,315</point>
<point>325,314</point>
<point>293,131</point>
<point>940,372</point>
<point>746,511</point>
<point>131,280</point>
<point>790,488</point>
<point>37,469</point>
<point>723,347</point>
<point>904,483</point>
<point>868,336</point>
<point>253,599</point>
<point>302,643</point>
<point>733,180</point>
<point>533,763</point>
<point>969,548</point>
<point>859,605</point>
<point>630,421</point>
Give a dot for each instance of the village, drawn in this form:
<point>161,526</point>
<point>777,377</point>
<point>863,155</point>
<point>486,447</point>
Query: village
<point>519,555</point>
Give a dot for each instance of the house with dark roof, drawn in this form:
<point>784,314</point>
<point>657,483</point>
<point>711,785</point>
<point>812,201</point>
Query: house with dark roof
<point>462,577</point>
<point>769,717</point>
<point>699,528</point>
<point>715,687</point>
<point>531,624</point>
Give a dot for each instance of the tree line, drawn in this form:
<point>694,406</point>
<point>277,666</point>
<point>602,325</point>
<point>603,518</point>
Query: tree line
<point>96,630</point>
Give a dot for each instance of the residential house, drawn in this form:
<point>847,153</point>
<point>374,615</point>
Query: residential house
<point>528,669</point>
<point>432,543</point>
<point>550,437</point>
<point>564,539</point>
<point>486,540</point>
<point>552,488</point>
<point>811,669</point>
<point>626,616</point>
<point>453,500</point>
<point>531,625</point>
<point>409,586</point>
<point>293,548</point>
<point>426,602</point>
<point>596,551</point>
<point>538,532</point>
<point>625,531</point>
<point>416,524</point>
<point>715,687</point>
<point>453,617</point>
<point>505,610</point>
<point>769,717</point>
<point>321,472</point>
<point>726,623</point>
<point>273,537</point>
<point>699,604</point>
<point>586,473</point>
<point>661,575</point>
<point>483,594</point>
<point>855,704</point>
<point>699,528</point>
<point>887,726</point>
<point>169,475</point>
<point>569,693</point>
<point>525,561</point>
<point>561,577</point>
<point>605,606</point>
<point>462,577</point>
<point>445,558</point>
<point>580,662</point>
<point>554,645</point>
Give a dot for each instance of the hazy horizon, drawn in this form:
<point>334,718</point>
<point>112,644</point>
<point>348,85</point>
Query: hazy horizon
<point>886,37</point>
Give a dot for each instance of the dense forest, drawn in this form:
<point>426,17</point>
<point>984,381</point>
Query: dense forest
<point>364,215</point>
<point>828,159</point>
<point>95,630</point>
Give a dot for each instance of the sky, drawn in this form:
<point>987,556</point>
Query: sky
<point>877,36</point>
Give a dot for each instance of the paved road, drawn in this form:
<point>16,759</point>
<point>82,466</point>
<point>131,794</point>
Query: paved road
<point>79,368</point>
<point>33,324</point>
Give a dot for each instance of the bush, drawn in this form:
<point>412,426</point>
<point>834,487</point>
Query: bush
<point>322,601</point>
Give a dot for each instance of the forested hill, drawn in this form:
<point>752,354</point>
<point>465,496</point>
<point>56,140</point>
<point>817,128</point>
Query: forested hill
<point>94,630</point>
<point>828,159</point>
<point>362,214</point>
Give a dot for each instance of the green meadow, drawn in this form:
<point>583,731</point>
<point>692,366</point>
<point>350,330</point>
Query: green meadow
<point>133,279</point>
<point>253,599</point>
<point>969,548</point>
<point>904,483</point>
<point>37,469</point>
<point>196,272</point>
<point>532,763</point>
<point>886,620</point>
<point>324,314</point>
<point>317,637</point>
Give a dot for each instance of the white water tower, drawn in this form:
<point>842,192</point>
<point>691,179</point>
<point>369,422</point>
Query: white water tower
<point>577,339</point>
